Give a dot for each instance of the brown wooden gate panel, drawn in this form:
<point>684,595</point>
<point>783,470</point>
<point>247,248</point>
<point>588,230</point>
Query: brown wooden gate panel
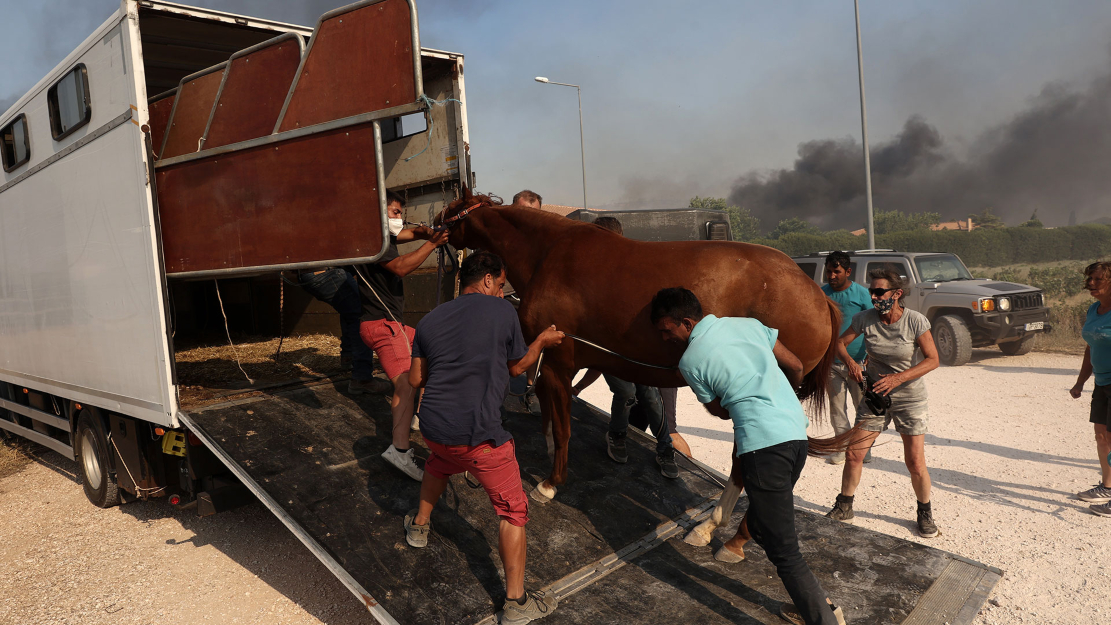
<point>159,115</point>
<point>191,111</point>
<point>255,87</point>
<point>357,62</point>
<point>309,199</point>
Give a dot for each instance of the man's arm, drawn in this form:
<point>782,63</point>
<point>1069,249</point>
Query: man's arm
<point>547,338</point>
<point>590,377</point>
<point>418,373</point>
<point>789,362</point>
<point>412,234</point>
<point>405,264</point>
<point>715,408</point>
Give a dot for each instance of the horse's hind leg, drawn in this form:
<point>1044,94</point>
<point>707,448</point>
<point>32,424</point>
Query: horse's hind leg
<point>701,534</point>
<point>553,388</point>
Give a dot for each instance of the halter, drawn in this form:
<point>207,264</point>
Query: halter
<point>457,217</point>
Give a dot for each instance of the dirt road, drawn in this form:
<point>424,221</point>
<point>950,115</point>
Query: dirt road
<point>1007,451</point>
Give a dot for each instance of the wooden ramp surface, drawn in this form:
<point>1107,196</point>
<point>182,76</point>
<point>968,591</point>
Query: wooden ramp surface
<point>609,544</point>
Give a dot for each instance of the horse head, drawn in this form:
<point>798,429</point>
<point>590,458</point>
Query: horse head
<point>454,215</point>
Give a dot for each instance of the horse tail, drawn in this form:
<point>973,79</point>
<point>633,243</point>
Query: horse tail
<point>819,447</point>
<point>814,383</point>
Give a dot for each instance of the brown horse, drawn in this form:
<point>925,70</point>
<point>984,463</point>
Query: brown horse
<point>597,285</point>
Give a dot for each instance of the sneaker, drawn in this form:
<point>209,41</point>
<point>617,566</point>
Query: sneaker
<point>1104,510</point>
<point>373,385</point>
<point>615,447</point>
<point>1097,494</point>
<point>842,510</point>
<point>403,461</point>
<point>416,535</point>
<point>666,460</point>
<point>868,457</point>
<point>926,526</point>
<point>837,458</point>
<point>538,604</point>
<point>790,613</point>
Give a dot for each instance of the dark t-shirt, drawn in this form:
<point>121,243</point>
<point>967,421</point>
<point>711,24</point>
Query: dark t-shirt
<point>389,288</point>
<point>467,343</point>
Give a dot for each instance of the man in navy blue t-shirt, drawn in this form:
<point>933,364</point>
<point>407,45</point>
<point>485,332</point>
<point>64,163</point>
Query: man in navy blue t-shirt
<point>464,353</point>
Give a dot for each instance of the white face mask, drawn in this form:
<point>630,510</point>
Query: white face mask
<point>396,226</point>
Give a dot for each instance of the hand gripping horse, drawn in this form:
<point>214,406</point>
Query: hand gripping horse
<point>595,284</point>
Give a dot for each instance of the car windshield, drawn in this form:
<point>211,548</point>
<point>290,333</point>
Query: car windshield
<point>941,268</point>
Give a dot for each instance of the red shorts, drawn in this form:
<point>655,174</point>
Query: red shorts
<point>494,467</point>
<point>385,338</point>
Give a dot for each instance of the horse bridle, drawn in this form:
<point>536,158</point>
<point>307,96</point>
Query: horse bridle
<point>448,222</point>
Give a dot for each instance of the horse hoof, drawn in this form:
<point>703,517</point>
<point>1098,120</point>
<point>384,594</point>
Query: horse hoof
<point>727,556</point>
<point>700,536</point>
<point>543,492</point>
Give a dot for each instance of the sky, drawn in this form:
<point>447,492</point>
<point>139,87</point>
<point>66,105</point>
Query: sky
<point>974,104</point>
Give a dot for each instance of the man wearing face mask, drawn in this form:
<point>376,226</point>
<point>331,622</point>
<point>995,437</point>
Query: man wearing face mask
<point>851,298</point>
<point>381,327</point>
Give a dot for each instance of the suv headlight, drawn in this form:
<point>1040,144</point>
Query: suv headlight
<point>1004,303</point>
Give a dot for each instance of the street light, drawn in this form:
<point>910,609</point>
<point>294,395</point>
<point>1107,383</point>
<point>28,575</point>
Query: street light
<point>864,132</point>
<point>582,149</point>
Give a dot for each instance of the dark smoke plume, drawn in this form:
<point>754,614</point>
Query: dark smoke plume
<point>1054,157</point>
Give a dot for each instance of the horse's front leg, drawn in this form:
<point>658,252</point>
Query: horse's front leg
<point>702,533</point>
<point>553,388</point>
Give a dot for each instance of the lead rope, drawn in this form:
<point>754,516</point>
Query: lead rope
<point>281,318</point>
<point>228,330</point>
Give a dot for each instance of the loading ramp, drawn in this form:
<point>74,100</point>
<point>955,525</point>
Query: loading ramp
<point>610,544</point>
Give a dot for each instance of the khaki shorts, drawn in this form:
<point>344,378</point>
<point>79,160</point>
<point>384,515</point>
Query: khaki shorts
<point>910,419</point>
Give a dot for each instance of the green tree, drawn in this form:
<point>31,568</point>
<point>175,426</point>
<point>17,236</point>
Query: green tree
<point>744,225</point>
<point>1033,222</point>
<point>986,220</point>
<point>793,225</point>
<point>898,221</point>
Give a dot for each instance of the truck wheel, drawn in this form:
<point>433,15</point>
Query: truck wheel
<point>1019,347</point>
<point>91,452</point>
<point>954,343</point>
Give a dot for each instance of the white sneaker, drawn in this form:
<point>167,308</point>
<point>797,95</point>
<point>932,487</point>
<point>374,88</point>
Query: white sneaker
<point>403,461</point>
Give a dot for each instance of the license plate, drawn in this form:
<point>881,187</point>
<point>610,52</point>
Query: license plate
<point>1037,325</point>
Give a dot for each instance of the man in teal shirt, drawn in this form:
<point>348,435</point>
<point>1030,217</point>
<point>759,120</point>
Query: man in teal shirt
<point>851,298</point>
<point>739,370</point>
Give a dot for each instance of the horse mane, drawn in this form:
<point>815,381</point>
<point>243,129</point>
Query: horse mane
<point>469,200</point>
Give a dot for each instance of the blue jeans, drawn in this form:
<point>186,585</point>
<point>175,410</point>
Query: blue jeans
<point>769,476</point>
<point>336,287</point>
<point>625,396</point>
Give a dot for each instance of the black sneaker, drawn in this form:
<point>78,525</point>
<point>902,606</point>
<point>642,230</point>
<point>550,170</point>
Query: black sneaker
<point>615,447</point>
<point>926,526</point>
<point>842,510</point>
<point>666,460</point>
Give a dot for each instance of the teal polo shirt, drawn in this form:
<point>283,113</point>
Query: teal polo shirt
<point>853,300</point>
<point>1097,334</point>
<point>732,359</point>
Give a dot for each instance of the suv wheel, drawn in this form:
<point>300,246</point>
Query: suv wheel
<point>954,343</point>
<point>1019,347</point>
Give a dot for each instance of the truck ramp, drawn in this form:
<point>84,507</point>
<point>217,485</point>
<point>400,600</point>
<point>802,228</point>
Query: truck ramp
<point>609,545</point>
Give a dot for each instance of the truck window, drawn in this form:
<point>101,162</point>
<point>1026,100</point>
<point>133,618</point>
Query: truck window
<point>808,268</point>
<point>69,103</point>
<point>899,268</point>
<point>941,268</point>
<point>15,143</point>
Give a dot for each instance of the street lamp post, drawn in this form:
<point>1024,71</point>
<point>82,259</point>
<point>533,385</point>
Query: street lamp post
<point>864,133</point>
<point>582,149</point>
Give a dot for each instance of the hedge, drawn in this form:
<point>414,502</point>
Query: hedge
<point>983,247</point>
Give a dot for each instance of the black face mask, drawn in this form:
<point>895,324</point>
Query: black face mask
<point>877,403</point>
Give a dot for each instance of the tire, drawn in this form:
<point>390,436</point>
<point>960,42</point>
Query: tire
<point>1019,347</point>
<point>90,449</point>
<point>953,341</point>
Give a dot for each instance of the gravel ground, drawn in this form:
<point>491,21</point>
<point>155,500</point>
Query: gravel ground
<point>1008,450</point>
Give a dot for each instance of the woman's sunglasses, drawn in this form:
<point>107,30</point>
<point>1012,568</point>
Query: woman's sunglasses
<point>880,292</point>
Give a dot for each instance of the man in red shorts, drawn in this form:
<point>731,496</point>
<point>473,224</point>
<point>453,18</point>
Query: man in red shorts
<point>381,328</point>
<point>463,356</point>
